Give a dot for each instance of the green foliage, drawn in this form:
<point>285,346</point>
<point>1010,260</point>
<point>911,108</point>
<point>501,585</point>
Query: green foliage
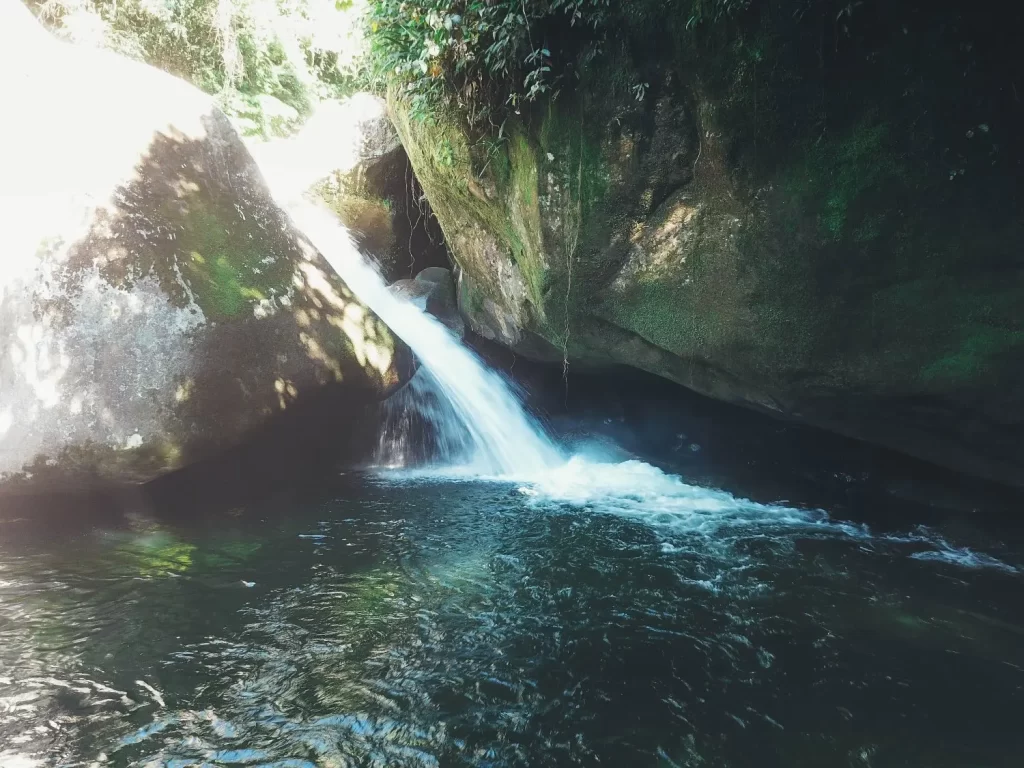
<point>487,58</point>
<point>715,10</point>
<point>268,61</point>
<point>481,57</point>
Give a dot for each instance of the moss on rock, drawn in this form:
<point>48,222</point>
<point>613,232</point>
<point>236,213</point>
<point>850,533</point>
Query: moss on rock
<point>744,225</point>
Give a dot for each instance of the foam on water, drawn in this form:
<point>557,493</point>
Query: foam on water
<point>694,516</point>
<point>636,489</point>
<point>642,492</point>
<point>965,557</point>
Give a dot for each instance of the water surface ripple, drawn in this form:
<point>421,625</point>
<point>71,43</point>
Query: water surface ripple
<point>446,622</point>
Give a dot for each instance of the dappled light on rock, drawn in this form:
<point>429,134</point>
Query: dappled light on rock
<point>151,291</point>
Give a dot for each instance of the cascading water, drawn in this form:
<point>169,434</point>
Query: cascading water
<point>502,438</point>
<point>420,428</point>
<point>480,420</point>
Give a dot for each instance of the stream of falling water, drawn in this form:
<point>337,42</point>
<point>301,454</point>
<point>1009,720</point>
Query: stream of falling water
<point>502,438</point>
<point>477,410</point>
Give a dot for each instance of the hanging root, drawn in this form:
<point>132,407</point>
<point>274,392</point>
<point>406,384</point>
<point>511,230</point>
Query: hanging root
<point>409,179</point>
<point>570,255</point>
<point>424,214</point>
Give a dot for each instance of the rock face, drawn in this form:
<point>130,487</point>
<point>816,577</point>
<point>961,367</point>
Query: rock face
<point>828,232</point>
<point>433,291</point>
<point>156,306</point>
<point>370,187</point>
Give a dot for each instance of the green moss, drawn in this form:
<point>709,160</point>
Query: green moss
<point>524,171</point>
<point>222,257</point>
<point>230,270</point>
<point>532,192</point>
<point>869,229</point>
<point>687,332</point>
<point>953,331</point>
<point>225,290</point>
<point>573,154</point>
<point>976,357</point>
<point>440,147</point>
<point>686,307</point>
<point>523,203</point>
<point>474,301</point>
<point>454,175</point>
<point>833,177</point>
<point>497,162</point>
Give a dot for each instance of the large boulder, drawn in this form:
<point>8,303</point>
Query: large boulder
<point>815,214</point>
<point>156,306</point>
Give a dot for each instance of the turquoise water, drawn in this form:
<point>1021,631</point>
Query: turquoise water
<point>441,622</point>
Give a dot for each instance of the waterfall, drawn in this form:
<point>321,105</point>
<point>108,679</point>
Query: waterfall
<point>473,416</point>
<point>479,412</point>
<point>421,428</point>
<point>477,420</point>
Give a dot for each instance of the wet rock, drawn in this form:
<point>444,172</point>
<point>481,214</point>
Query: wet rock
<point>442,302</point>
<point>438,276</point>
<point>432,291</point>
<point>156,306</point>
<point>368,182</point>
<point>413,291</point>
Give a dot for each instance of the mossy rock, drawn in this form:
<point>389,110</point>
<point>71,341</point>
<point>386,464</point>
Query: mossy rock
<point>828,233</point>
<point>157,306</point>
<point>373,190</point>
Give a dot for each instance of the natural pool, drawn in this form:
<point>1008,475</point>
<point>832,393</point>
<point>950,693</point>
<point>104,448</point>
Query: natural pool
<point>605,615</point>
